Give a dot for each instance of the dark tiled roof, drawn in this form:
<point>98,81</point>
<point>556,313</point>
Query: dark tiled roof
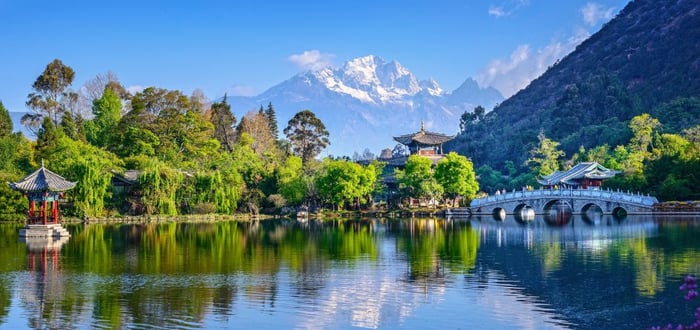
<point>423,137</point>
<point>129,177</point>
<point>42,180</point>
<point>588,170</point>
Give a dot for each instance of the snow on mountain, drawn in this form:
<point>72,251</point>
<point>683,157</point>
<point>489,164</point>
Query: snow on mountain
<point>367,101</point>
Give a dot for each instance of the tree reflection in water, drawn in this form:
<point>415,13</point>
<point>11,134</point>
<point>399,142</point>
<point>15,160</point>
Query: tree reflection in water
<point>191,275</point>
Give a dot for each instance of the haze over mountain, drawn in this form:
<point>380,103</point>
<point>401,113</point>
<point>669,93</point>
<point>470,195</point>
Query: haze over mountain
<point>367,101</point>
<point>644,60</point>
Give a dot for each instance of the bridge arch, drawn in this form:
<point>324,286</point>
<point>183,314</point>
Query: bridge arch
<point>499,213</point>
<point>592,213</point>
<point>524,213</point>
<point>619,213</point>
<point>557,212</point>
<point>556,204</point>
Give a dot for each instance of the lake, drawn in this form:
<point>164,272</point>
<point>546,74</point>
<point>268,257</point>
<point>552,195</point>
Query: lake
<point>369,273</point>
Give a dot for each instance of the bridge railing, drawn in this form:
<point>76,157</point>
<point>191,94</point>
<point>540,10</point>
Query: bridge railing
<point>604,194</point>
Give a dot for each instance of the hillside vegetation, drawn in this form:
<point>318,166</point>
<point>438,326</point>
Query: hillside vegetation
<point>643,61</point>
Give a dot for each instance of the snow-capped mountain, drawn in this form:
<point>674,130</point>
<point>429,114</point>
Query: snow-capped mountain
<point>367,101</point>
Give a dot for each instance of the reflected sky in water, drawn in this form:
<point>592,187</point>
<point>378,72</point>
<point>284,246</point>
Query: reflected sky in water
<point>369,273</point>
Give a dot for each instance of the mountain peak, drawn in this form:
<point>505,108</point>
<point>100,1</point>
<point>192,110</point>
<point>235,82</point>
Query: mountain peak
<point>365,102</point>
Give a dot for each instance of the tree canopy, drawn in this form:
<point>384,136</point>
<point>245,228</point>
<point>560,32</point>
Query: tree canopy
<point>307,134</point>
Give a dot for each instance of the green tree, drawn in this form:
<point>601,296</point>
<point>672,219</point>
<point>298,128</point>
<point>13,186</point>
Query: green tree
<point>307,134</point>
<point>455,173</point>
<point>220,188</point>
<point>224,124</point>
<point>72,126</point>
<point>272,120</point>
<point>642,127</point>
<point>86,164</point>
<point>5,121</point>
<point>257,125</point>
<point>159,184</point>
<point>490,179</point>
<point>342,181</point>
<point>416,180</point>
<point>544,158</point>
<point>51,91</point>
<point>291,182</point>
<point>106,110</point>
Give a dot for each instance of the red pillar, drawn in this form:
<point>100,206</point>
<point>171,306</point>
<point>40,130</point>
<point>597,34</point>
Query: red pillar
<point>54,211</point>
<point>30,214</point>
<point>44,207</point>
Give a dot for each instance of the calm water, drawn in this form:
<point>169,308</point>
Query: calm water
<point>428,273</point>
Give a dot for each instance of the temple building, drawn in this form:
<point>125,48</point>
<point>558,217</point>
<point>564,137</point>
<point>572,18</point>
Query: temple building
<point>423,143</point>
<point>44,190</point>
<point>587,175</point>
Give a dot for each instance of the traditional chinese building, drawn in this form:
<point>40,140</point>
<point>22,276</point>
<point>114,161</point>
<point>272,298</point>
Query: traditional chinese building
<point>424,143</point>
<point>44,190</point>
<point>587,175</point>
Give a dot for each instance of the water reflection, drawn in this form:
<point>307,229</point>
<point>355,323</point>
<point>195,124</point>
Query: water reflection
<point>43,289</point>
<point>583,272</point>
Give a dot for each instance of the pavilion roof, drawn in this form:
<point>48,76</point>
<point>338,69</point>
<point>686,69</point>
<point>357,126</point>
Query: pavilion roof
<point>423,137</point>
<point>585,170</point>
<point>42,180</point>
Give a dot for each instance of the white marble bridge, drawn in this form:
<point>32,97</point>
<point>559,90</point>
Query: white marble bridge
<point>579,200</point>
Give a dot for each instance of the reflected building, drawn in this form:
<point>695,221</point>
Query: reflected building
<point>45,289</point>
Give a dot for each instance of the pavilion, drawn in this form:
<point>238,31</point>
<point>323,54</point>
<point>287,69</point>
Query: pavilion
<point>586,175</point>
<point>423,142</point>
<point>44,190</point>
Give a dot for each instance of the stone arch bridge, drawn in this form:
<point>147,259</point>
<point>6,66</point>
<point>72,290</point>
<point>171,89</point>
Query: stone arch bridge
<point>579,200</point>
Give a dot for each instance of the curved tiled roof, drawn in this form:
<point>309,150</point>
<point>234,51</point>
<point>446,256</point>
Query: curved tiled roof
<point>42,180</point>
<point>423,137</point>
<point>590,170</point>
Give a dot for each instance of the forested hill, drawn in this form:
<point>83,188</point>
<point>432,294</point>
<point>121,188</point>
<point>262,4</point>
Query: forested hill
<point>647,59</point>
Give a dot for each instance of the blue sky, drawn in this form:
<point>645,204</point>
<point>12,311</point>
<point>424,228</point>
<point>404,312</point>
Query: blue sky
<point>246,47</point>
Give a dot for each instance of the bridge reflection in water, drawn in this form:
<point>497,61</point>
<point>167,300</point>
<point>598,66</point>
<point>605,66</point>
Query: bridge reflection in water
<point>573,228</point>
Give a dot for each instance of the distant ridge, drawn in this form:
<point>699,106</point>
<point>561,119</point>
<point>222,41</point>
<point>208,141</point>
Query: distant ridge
<point>645,57</point>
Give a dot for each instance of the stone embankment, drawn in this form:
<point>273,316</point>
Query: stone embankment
<point>688,207</point>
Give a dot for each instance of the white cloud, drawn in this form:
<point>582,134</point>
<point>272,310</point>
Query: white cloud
<point>311,60</point>
<point>594,13</point>
<point>134,89</point>
<point>240,90</point>
<point>496,11</point>
<point>515,73</point>
<point>507,7</point>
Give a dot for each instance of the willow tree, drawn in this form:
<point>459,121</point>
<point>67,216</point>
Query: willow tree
<point>219,189</point>
<point>159,184</point>
<point>94,183</point>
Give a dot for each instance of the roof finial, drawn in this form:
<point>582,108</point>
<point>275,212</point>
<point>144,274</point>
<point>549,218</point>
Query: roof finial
<point>42,162</point>
<point>422,126</point>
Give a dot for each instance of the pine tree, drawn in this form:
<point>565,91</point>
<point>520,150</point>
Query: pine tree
<point>272,119</point>
<point>5,121</point>
<point>224,124</point>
